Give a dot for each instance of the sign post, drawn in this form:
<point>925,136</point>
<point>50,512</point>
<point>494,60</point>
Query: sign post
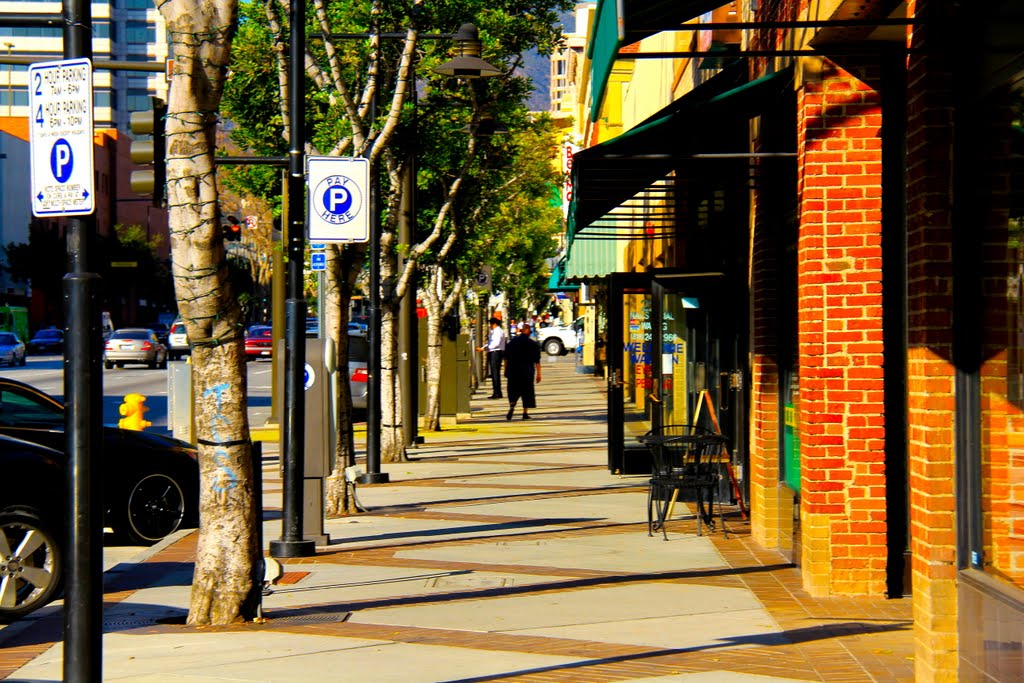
<point>61,150</point>
<point>61,138</point>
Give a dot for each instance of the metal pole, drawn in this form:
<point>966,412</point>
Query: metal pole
<point>373,474</point>
<point>291,543</point>
<point>83,396</point>
<point>408,328</point>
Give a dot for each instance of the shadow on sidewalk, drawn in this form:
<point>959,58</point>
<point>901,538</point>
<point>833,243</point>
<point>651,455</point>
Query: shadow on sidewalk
<point>497,526</point>
<point>505,497</point>
<point>793,636</point>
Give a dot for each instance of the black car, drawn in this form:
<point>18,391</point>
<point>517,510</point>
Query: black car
<point>32,528</point>
<point>47,341</point>
<point>150,481</point>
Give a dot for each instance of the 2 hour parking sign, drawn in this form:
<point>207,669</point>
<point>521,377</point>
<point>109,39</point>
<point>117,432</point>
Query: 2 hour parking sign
<point>338,199</point>
<point>61,137</point>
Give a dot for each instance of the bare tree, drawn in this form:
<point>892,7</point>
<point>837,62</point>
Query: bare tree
<point>226,584</point>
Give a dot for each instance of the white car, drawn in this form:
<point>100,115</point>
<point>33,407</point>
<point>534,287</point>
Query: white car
<point>557,339</point>
<point>177,341</point>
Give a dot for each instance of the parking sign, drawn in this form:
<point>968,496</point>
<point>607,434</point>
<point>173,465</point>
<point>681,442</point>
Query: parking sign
<point>338,190</point>
<point>61,137</point>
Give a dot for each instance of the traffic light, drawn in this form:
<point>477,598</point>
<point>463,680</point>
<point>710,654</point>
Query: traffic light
<point>232,229</point>
<point>151,152</point>
<point>133,408</point>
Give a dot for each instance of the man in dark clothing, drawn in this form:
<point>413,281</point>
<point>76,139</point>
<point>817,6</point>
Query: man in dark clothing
<point>522,365</point>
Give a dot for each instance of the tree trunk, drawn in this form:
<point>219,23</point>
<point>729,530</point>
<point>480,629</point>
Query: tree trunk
<point>226,580</point>
<point>339,283</point>
<point>432,418</point>
<point>392,434</point>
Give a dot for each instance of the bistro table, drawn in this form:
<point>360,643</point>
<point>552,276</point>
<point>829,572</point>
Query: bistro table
<point>683,457</point>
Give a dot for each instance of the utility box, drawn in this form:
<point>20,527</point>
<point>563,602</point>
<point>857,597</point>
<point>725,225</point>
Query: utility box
<point>318,437</point>
<point>181,403</point>
<point>456,361</point>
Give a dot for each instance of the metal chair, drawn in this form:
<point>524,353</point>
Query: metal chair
<point>684,457</point>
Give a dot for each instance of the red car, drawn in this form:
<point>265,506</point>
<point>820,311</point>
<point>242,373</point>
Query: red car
<point>259,342</point>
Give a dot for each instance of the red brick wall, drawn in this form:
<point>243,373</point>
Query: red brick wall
<point>840,335</point>
<point>930,371</point>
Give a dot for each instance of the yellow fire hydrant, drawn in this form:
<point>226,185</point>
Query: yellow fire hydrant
<point>133,408</point>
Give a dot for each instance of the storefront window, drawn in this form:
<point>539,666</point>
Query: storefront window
<point>1002,372</point>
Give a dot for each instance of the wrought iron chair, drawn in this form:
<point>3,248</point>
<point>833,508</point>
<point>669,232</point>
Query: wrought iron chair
<point>684,457</point>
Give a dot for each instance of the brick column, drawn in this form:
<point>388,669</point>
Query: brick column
<point>930,371</point>
<point>840,335</point>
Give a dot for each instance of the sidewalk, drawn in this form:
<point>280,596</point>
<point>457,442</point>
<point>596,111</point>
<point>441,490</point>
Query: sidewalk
<point>504,551</point>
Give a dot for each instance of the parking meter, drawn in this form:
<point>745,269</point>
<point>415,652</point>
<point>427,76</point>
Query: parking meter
<point>318,380</point>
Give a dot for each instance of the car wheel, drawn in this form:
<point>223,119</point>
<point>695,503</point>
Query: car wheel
<point>119,365</point>
<point>153,506</point>
<point>108,365</point>
<point>30,563</point>
<point>553,347</point>
<point>163,363</point>
<point>23,361</point>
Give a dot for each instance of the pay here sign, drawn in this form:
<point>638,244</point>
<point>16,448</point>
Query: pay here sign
<point>339,193</point>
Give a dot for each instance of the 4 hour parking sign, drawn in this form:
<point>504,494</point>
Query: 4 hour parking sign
<point>338,191</point>
<point>61,137</point>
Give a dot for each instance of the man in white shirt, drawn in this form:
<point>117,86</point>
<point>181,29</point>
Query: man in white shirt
<point>495,350</point>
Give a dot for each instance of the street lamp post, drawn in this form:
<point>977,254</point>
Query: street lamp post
<point>291,543</point>
<point>468,65</point>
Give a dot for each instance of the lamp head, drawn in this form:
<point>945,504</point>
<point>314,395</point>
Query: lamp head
<point>468,63</point>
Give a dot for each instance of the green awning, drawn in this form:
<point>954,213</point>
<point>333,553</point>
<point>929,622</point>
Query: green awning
<point>592,259</point>
<point>638,20</point>
<point>557,282</point>
<point>605,177</point>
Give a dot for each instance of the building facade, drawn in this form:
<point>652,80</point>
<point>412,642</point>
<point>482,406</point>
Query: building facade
<point>123,30</point>
<point>823,220</point>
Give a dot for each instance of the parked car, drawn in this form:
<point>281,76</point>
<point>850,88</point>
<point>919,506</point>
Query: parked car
<point>312,327</point>
<point>259,342</point>
<point>134,345</point>
<point>177,341</point>
<point>557,339</point>
<point>151,481</point>
<point>12,350</point>
<point>358,357</point>
<point>32,528</point>
<point>50,340</point>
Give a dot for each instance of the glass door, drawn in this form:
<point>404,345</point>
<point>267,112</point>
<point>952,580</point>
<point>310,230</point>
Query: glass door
<point>631,329</point>
<point>662,356</point>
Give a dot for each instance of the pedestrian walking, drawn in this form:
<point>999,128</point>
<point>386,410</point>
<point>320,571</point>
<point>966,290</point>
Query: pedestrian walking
<point>522,370</point>
<point>495,350</point>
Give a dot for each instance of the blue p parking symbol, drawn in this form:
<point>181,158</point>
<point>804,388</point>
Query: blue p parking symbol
<point>337,200</point>
<point>62,161</point>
